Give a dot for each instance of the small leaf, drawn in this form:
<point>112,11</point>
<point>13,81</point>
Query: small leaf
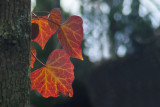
<point>45,32</point>
<point>57,76</point>
<point>33,51</point>
<point>55,19</point>
<point>70,36</point>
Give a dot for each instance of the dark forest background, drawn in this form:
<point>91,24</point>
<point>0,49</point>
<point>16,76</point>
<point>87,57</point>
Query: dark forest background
<point>129,78</point>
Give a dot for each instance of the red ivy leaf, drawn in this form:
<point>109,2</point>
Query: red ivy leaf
<point>45,32</point>
<point>55,19</point>
<point>57,76</point>
<point>70,36</point>
<point>32,57</point>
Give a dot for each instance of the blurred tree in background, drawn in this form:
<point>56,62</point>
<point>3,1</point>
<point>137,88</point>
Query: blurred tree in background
<point>121,56</point>
<point>130,78</point>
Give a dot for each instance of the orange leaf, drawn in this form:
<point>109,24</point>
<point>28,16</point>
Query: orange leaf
<point>57,76</point>
<point>55,19</point>
<point>45,32</point>
<point>32,57</point>
<point>70,36</point>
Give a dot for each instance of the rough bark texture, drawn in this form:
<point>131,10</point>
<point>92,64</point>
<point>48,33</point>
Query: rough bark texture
<point>15,28</point>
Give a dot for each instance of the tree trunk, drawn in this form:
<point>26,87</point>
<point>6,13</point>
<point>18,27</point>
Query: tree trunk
<point>15,29</point>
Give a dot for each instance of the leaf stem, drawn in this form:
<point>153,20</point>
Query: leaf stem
<point>34,15</point>
<point>37,59</point>
<point>52,21</point>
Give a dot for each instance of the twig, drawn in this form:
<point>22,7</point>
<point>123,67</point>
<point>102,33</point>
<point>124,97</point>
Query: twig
<point>37,59</point>
<point>34,15</point>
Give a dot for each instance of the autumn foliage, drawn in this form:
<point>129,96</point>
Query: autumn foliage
<point>56,76</point>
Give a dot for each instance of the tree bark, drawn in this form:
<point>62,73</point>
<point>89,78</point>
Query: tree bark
<point>15,29</point>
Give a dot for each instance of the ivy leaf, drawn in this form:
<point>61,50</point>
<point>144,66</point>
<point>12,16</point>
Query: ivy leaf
<point>45,32</point>
<point>56,77</point>
<point>55,19</point>
<point>70,36</point>
<point>32,57</point>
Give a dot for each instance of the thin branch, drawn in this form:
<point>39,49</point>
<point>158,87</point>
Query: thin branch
<point>34,15</point>
<point>52,21</point>
<point>37,59</point>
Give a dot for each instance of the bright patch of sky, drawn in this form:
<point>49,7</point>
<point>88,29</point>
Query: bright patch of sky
<point>127,7</point>
<point>121,51</point>
<point>33,4</point>
<point>104,8</point>
<point>71,6</point>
